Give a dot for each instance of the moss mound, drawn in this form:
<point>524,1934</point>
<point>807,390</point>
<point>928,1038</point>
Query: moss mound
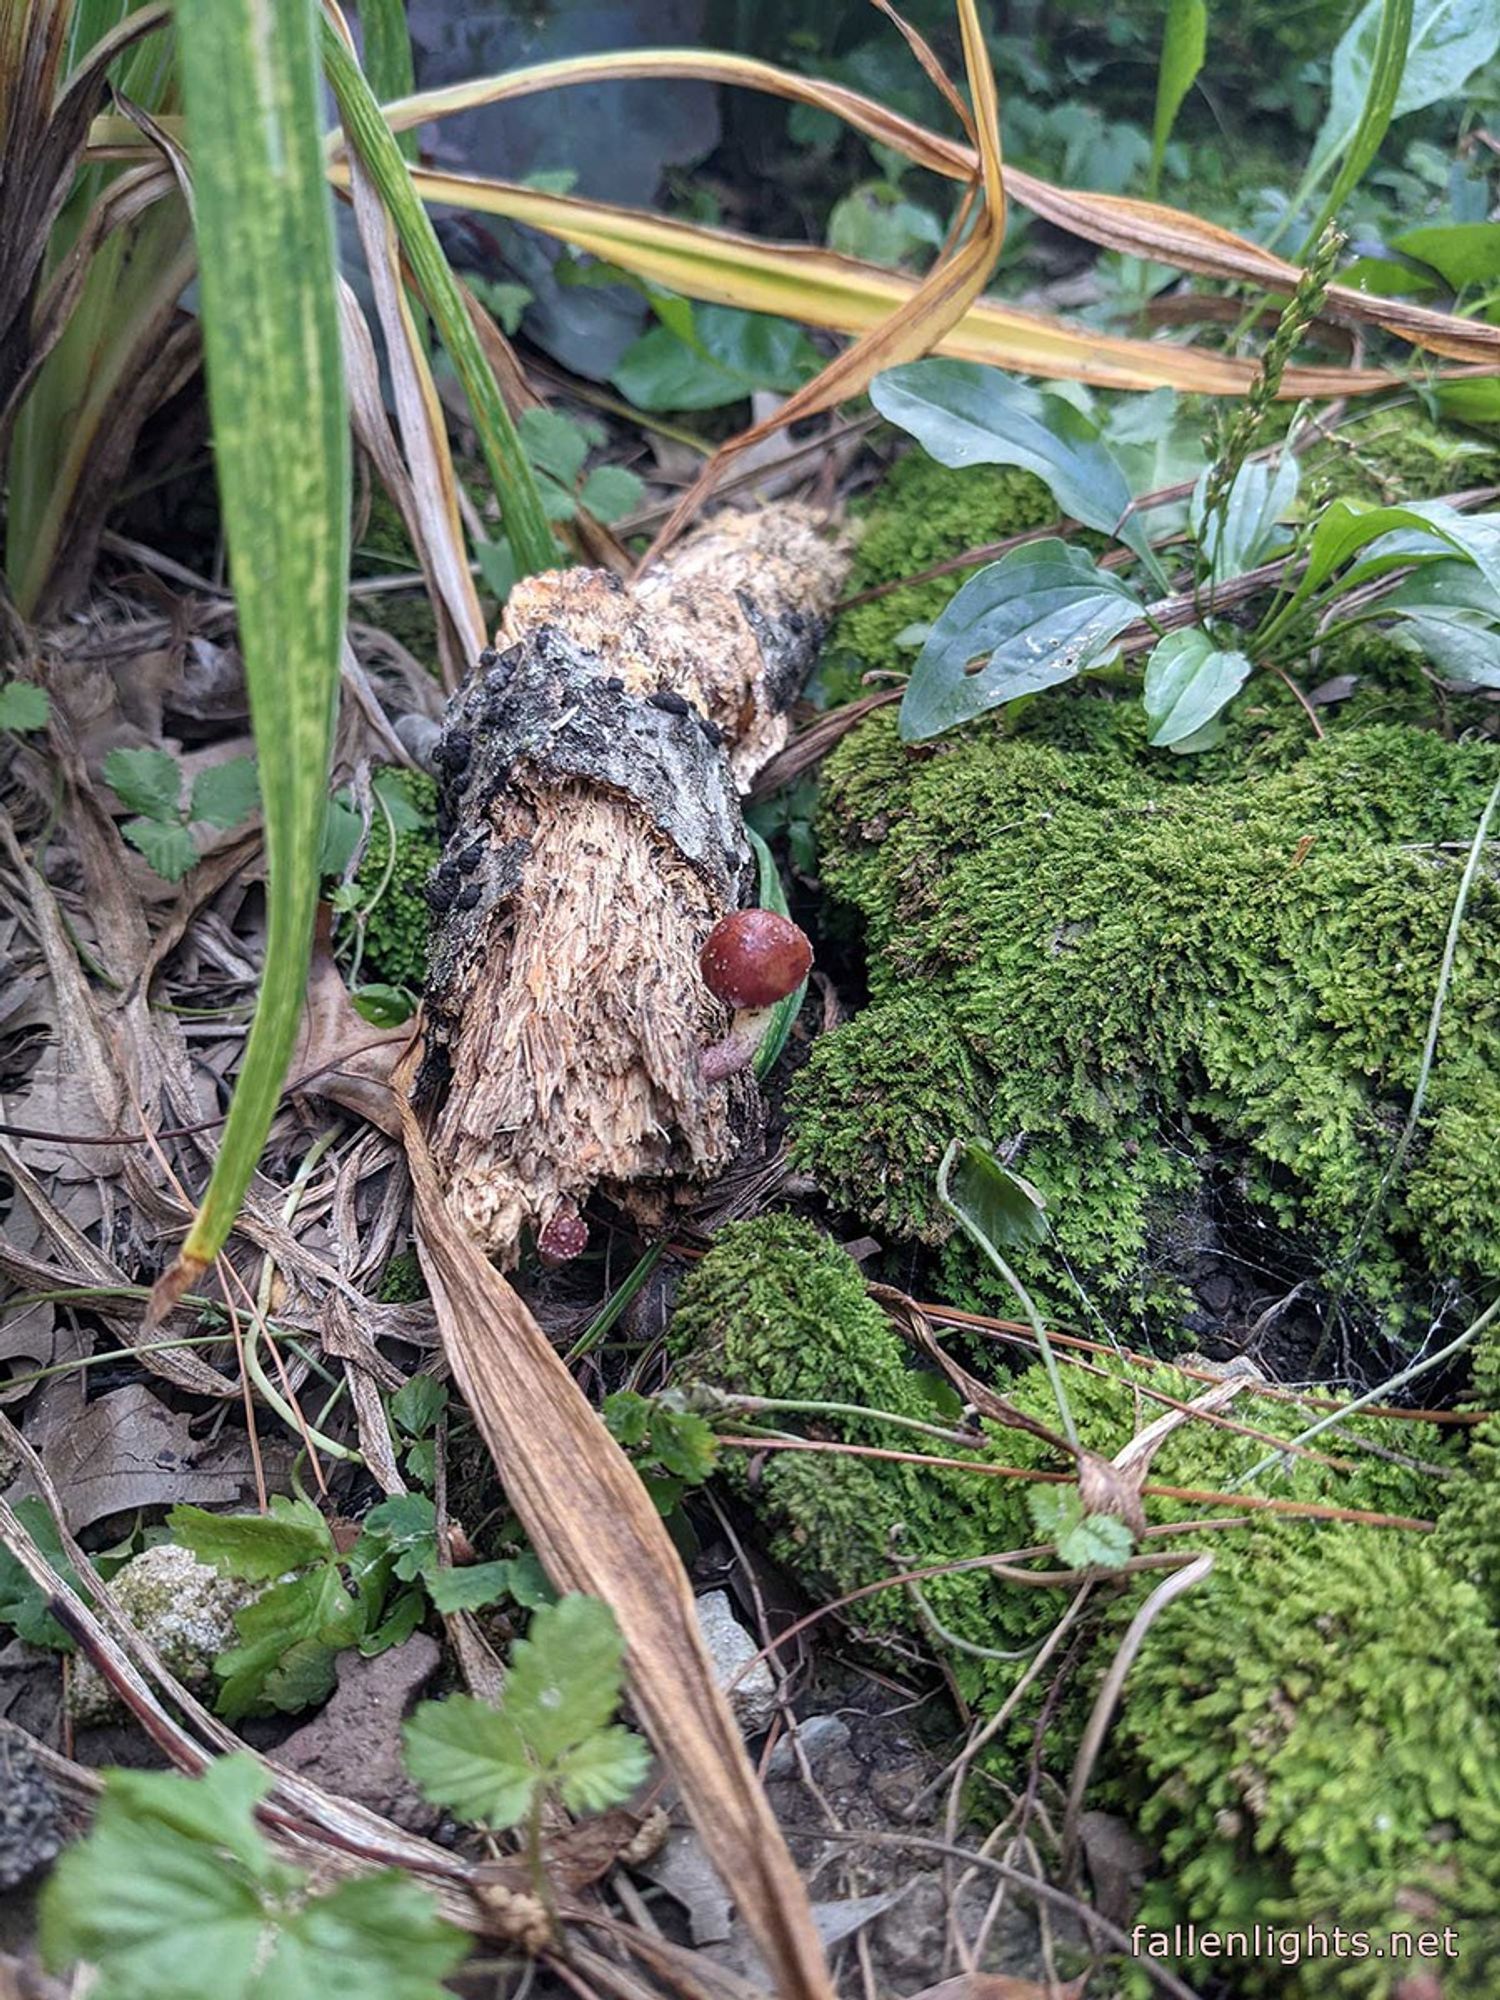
<point>390,884</point>
<point>1309,1735</point>
<point>925,514</point>
<point>1194,991</point>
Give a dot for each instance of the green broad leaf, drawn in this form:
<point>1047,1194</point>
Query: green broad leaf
<point>1083,1541</point>
<point>554,443</point>
<point>23,706</point>
<point>731,354</point>
<point>1462,253</point>
<point>470,1588</point>
<point>508,302</point>
<point>403,1528</point>
<point>876,223</point>
<point>1188,680</point>
<point>148,782</point>
<point>382,1006</point>
<point>268,308</point>
<point>1448,41</point>
<point>1429,531</point>
<point>1247,530</point>
<point>406,1612</point>
<point>566,1676</point>
<point>771,895</point>
<point>417,1405</point>
<point>611,491</point>
<point>1369,66</point>
<point>1183,46</point>
<point>377,1937</point>
<point>213,1895</point>
<point>392,787</point>
<point>1388,278</point>
<point>1003,1207</point>
<point>23,1604</point>
<point>963,413</point>
<point>1036,618</point>
<point>679,1441</point>
<point>498,566</point>
<point>289,1636</point>
<point>168,850</point>
<point>529,1584</point>
<point>472,1759</point>
<point>342,827</point>
<point>1448,614</point>
<point>227,793</point>
<point>256,1548</point>
<point>603,1769</point>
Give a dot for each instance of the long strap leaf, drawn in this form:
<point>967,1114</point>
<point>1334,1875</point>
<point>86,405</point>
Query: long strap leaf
<point>281,443</point>
<point>525,520</point>
<point>1387,68</point>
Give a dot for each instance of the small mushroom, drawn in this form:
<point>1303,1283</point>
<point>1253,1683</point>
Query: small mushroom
<point>752,959</point>
<point>564,1237</point>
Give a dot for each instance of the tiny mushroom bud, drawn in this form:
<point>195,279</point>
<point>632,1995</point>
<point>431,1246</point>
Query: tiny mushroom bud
<point>752,959</point>
<point>564,1237</point>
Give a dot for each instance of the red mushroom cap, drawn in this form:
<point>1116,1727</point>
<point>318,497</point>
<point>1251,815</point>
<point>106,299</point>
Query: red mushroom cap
<point>565,1237</point>
<point>753,958</point>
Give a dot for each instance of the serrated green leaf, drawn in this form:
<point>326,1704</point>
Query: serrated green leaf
<point>565,1675</point>
<point>730,355</point>
<point>256,1548</point>
<point>392,788</point>
<point>605,1768</point>
<point>471,1758</point>
<point>554,443</point>
<point>169,850</point>
<point>148,782</point>
<point>1033,620</point>
<point>1188,680</point>
<point>289,1637</point>
<point>1100,1541</point>
<point>470,1588</point>
<point>23,706</point>
<point>404,1528</point>
<point>417,1405</point>
<point>227,793</point>
<point>213,1896</point>
<point>611,491</point>
<point>23,1605</point>
<point>1055,1510</point>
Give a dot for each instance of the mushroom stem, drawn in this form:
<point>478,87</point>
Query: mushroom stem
<point>737,1050</point>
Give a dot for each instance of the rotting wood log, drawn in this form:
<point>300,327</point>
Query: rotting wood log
<point>591,769</point>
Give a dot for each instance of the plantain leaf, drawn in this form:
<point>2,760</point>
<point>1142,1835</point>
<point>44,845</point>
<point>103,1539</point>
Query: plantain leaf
<point>281,449</point>
<point>1371,61</point>
<point>1188,680</point>
<point>1041,614</point>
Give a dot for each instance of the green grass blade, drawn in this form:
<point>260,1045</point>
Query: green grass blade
<point>387,54</point>
<point>525,521</point>
<point>281,444</point>
<point>1183,45</point>
<point>1383,87</point>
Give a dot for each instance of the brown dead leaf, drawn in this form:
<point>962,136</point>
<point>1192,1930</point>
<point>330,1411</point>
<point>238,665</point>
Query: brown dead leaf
<point>594,1528</point>
<point>128,1450</point>
<point>339,1055</point>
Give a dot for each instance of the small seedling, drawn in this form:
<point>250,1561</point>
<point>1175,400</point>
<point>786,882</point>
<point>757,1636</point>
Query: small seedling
<point>672,1448</point>
<point>1082,1540</point>
<point>149,783</point>
<point>551,1736</point>
<point>214,1895</point>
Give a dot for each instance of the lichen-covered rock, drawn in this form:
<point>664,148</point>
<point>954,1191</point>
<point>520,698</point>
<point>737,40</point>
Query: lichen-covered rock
<point>184,1608</point>
<point>1186,989</point>
<point>1310,1735</point>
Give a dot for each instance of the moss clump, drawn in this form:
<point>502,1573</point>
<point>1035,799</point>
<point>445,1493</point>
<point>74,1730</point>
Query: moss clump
<point>1186,994</point>
<point>926,513</point>
<point>385,547</point>
<point>1309,1734</point>
<point>1395,453</point>
<point>402,1282</point>
<point>391,887</point>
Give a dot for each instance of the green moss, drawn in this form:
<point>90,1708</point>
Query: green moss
<point>402,1282</point>
<point>397,914</point>
<point>384,548</point>
<point>1310,1734</point>
<point>1395,453</point>
<point>925,513</point>
<point>1176,988</point>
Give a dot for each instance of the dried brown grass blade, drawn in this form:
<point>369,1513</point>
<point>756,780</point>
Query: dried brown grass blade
<point>595,1530</point>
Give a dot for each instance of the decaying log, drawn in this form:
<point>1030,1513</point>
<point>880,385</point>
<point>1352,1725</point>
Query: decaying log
<point>591,768</point>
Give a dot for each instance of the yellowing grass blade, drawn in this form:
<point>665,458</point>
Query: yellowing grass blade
<point>264,232</point>
<point>1137,228</point>
<point>821,288</point>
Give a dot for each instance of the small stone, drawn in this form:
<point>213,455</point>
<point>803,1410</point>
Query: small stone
<point>183,1607</point>
<point>730,1647</point>
<point>31,1824</point>
<point>819,1737</point>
